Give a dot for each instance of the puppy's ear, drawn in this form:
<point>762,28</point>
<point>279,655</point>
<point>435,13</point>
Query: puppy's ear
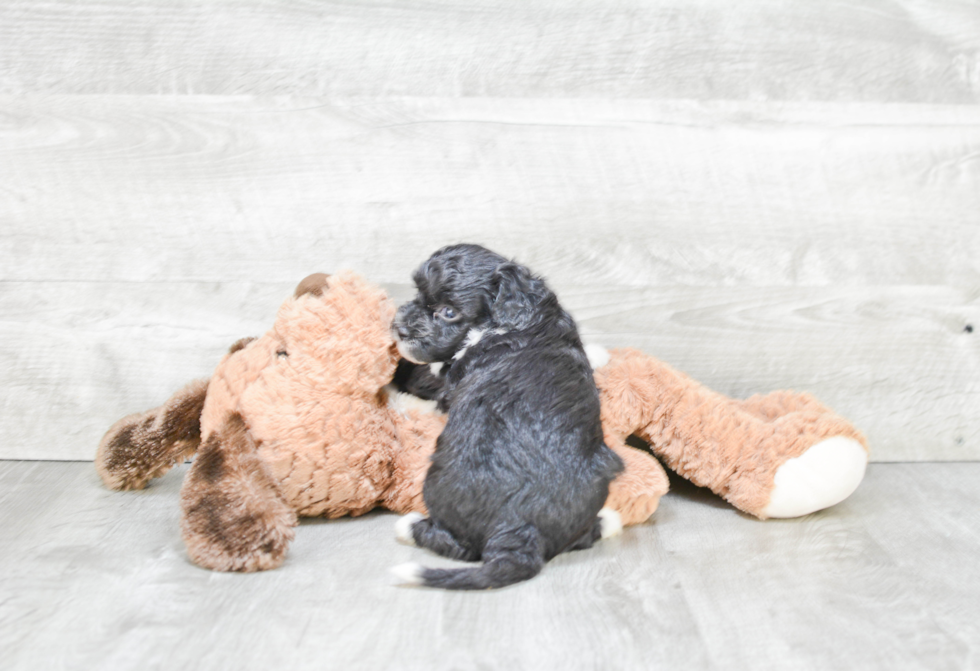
<point>518,295</point>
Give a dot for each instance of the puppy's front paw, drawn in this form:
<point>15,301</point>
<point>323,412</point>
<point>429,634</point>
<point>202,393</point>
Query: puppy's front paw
<point>403,527</point>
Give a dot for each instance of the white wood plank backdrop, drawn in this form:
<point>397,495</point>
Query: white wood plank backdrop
<point>876,50</point>
<point>764,194</point>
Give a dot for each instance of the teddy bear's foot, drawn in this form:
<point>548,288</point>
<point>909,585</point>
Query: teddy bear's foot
<point>824,475</point>
<point>234,517</point>
<point>248,543</point>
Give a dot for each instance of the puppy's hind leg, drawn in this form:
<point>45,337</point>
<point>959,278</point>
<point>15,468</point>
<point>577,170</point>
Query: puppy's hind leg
<point>588,539</point>
<point>425,532</point>
<point>510,556</point>
<point>607,523</point>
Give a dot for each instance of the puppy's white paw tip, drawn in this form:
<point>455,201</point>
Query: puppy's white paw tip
<point>610,522</point>
<point>403,527</point>
<point>409,573</point>
<point>404,403</point>
<point>823,476</point>
<point>598,355</point>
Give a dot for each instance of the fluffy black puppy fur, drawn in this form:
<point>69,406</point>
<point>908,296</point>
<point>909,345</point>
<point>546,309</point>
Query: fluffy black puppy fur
<point>521,471</point>
<point>418,380</point>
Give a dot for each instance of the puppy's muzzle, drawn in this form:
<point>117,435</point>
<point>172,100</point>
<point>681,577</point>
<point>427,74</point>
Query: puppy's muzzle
<point>403,341</point>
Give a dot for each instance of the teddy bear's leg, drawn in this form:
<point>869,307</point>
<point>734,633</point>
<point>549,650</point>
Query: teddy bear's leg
<point>793,465</point>
<point>146,445</point>
<point>636,492</point>
<point>234,517</point>
<point>829,468</point>
<point>712,441</point>
<point>780,403</point>
<point>827,472</point>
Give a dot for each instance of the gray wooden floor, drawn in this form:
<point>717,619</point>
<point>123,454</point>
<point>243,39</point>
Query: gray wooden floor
<point>92,579</point>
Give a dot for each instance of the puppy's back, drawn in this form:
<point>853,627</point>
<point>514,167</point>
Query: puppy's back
<point>520,472</point>
<point>523,444</point>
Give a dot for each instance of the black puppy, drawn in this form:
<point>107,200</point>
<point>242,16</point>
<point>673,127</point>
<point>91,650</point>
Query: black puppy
<point>520,472</point>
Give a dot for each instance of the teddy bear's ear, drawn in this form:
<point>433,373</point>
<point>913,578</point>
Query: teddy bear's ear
<point>312,284</point>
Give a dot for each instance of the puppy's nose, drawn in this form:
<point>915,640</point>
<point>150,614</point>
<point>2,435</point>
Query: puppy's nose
<point>401,330</point>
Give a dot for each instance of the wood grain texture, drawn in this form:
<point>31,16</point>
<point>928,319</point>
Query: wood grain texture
<point>764,194</point>
<point>621,193</point>
<point>897,361</point>
<point>93,579</point>
<point>881,50</point>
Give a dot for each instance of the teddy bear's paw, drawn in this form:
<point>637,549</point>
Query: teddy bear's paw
<point>269,555</point>
<point>403,527</point>
<point>823,476</point>
<point>239,555</point>
<point>610,523</point>
<point>224,537</point>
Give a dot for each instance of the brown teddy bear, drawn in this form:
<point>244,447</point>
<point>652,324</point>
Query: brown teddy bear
<point>304,421</point>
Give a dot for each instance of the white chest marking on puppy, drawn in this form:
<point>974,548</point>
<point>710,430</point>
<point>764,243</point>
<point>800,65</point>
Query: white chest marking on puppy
<point>436,367</point>
<point>472,338</point>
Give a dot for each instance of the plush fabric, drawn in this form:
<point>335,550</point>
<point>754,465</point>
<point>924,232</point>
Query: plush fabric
<point>732,447</point>
<point>300,422</point>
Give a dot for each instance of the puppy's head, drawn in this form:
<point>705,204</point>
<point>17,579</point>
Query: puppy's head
<point>464,291</point>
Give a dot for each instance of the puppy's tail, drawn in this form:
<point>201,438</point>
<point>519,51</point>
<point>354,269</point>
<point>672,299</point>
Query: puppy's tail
<point>509,557</point>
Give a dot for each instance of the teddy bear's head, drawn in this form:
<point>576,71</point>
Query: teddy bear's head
<point>336,333</point>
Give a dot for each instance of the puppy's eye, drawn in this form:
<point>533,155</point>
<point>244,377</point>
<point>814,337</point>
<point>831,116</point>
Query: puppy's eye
<point>447,314</point>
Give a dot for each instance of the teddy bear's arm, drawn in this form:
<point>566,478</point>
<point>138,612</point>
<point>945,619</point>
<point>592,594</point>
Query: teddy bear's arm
<point>779,455</point>
<point>146,445</point>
